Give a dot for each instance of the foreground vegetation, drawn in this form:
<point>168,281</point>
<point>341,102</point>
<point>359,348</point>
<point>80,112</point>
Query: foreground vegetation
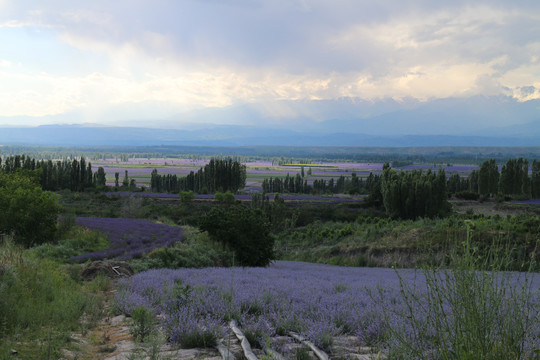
<point>43,302</point>
<point>44,299</point>
<point>452,313</point>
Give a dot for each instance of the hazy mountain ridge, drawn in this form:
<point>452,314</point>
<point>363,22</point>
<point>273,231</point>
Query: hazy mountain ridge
<point>72,135</point>
<point>475,121</point>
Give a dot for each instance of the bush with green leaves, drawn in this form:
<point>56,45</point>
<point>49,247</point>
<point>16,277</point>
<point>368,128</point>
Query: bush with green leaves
<point>196,251</point>
<point>225,198</point>
<point>186,197</point>
<point>26,211</point>
<point>243,230</point>
<point>143,323</point>
<point>76,241</point>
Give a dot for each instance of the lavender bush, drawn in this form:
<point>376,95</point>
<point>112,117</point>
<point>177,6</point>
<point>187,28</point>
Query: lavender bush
<point>129,238</point>
<point>317,301</point>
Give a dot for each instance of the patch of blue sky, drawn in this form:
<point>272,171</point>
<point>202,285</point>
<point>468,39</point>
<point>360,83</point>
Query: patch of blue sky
<point>41,50</point>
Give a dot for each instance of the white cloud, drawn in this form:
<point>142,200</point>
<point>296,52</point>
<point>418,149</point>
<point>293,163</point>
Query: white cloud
<point>247,53</point>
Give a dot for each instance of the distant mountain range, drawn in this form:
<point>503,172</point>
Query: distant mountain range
<point>476,121</point>
<point>234,135</point>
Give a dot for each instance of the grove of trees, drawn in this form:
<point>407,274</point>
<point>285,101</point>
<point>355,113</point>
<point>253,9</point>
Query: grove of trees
<point>75,175</point>
<point>298,184</point>
<point>218,175</point>
<point>409,195</point>
<point>512,181</point>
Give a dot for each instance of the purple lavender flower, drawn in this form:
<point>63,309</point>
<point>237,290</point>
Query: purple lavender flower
<point>318,301</point>
<point>130,238</point>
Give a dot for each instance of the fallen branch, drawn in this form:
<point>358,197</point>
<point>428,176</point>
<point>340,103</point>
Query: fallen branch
<point>320,354</point>
<point>243,341</point>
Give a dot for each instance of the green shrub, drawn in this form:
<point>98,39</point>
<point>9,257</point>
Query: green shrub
<point>28,213</point>
<point>199,338</point>
<point>78,240</point>
<point>467,195</point>
<point>143,323</point>
<point>225,198</point>
<point>245,231</point>
<point>196,251</point>
<point>186,197</point>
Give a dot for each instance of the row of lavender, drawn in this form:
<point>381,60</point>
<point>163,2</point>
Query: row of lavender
<point>317,301</point>
<point>338,169</point>
<point>286,197</point>
<point>130,238</point>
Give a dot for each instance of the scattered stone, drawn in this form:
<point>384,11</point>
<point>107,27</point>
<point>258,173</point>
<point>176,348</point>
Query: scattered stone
<point>117,320</point>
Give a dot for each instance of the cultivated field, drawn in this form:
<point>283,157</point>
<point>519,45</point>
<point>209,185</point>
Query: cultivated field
<point>140,169</point>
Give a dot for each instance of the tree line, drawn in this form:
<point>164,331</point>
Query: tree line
<point>218,175</point>
<point>75,175</point>
<point>414,194</point>
<point>342,185</point>
<point>512,181</point>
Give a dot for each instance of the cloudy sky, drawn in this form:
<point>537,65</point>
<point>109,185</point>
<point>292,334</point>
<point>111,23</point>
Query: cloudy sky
<point>108,61</point>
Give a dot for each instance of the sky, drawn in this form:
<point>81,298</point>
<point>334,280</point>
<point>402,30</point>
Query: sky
<point>109,62</point>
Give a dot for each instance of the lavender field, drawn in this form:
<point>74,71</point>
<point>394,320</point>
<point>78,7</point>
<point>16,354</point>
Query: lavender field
<point>287,198</point>
<point>140,170</point>
<point>527,202</point>
<point>130,238</point>
<point>320,302</point>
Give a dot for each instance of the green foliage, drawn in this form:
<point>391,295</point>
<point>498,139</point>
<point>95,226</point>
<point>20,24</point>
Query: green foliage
<point>535,179</point>
<point>373,241</point>
<point>196,251</point>
<point>467,195</point>
<point>488,178</point>
<point>186,197</point>
<point>225,198</point>
<point>217,175</point>
<point>143,323</point>
<point>245,231</point>
<point>199,338</point>
<point>151,349</point>
<point>132,207</point>
<point>515,178</point>
<point>477,314</point>
<point>100,283</point>
<point>276,211</point>
<point>298,184</point>
<point>410,195</point>
<point>77,241</point>
<point>27,212</point>
<point>40,303</point>
<point>302,353</point>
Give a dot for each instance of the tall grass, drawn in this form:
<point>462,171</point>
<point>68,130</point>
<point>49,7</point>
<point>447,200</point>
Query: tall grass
<point>40,304</point>
<point>384,242</point>
<point>473,310</point>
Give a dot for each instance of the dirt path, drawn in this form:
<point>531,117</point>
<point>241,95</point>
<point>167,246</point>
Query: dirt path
<point>110,339</point>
